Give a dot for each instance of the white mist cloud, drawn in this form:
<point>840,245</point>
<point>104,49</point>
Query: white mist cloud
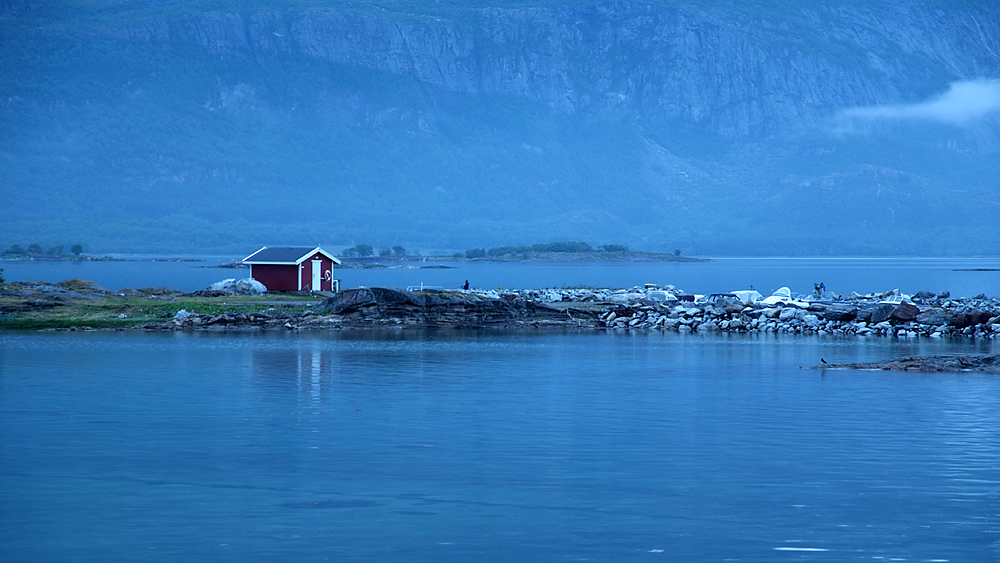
<point>963,103</point>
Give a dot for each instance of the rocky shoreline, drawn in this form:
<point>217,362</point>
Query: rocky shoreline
<point>646,308</point>
<point>926,315</point>
<point>374,308</point>
<point>659,308</point>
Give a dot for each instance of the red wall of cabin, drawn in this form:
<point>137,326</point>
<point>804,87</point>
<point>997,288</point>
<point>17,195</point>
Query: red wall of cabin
<point>277,277</point>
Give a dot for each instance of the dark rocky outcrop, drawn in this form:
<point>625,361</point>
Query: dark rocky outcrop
<point>385,306</point>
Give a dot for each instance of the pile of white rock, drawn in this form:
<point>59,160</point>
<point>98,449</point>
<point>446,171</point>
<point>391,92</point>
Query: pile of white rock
<point>670,309</point>
<point>655,294</point>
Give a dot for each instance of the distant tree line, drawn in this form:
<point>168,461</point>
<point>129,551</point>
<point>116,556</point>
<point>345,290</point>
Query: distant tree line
<point>558,247</point>
<point>364,250</point>
<point>35,249</point>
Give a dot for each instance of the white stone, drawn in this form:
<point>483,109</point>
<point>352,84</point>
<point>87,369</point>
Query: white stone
<point>250,286</point>
<point>223,285</point>
<point>245,286</point>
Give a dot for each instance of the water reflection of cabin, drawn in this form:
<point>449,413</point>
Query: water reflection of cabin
<point>293,268</point>
<point>306,372</point>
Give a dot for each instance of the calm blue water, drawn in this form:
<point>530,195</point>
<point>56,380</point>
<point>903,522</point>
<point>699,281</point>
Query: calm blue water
<point>842,275</point>
<point>490,447</point>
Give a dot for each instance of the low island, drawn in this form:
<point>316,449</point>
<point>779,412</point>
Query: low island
<point>79,304</point>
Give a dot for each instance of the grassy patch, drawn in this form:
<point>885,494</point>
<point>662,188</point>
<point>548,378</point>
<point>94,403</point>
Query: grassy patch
<point>39,312</point>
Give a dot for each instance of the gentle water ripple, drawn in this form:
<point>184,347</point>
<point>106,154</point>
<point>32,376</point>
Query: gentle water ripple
<point>495,446</point>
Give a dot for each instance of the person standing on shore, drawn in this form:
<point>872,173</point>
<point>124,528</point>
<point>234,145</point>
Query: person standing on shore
<point>819,289</point>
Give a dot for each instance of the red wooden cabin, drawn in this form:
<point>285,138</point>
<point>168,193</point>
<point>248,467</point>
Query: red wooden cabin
<point>293,268</point>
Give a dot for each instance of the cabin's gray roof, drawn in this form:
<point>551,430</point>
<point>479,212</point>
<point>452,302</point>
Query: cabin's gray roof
<point>284,254</point>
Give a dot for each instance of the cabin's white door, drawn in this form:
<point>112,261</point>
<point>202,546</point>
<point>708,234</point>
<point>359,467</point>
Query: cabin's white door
<point>317,267</point>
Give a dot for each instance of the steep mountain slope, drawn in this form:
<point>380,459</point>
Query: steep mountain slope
<point>716,127</point>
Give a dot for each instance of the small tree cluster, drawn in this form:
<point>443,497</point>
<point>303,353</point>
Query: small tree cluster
<point>362,250</point>
<point>613,248</point>
<point>38,250</point>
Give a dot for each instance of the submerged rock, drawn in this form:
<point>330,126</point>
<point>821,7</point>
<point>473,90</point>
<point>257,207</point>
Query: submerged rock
<point>953,363</point>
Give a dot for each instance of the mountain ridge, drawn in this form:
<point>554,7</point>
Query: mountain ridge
<point>718,129</point>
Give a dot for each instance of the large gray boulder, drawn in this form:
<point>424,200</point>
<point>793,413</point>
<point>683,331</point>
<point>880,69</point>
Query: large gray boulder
<point>906,312</point>
<point>245,286</point>
<point>840,312</point>
<point>971,318</point>
<point>883,312</point>
<point>787,314</point>
<point>935,317</point>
